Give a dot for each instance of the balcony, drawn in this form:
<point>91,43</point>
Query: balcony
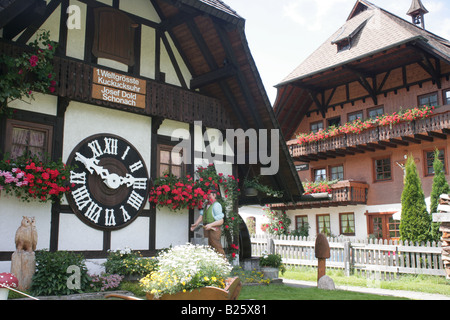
<point>371,140</point>
<point>75,82</point>
<point>343,193</point>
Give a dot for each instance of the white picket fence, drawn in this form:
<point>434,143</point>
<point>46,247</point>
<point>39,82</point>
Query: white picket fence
<point>385,259</point>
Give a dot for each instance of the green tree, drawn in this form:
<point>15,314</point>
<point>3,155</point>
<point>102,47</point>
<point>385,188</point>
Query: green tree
<point>440,186</point>
<point>415,223</point>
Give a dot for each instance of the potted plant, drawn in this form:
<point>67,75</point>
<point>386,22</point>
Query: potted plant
<point>271,265</point>
<point>253,187</point>
<point>184,271</point>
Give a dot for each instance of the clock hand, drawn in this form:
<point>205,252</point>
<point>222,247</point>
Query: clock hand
<point>129,180</point>
<point>92,165</point>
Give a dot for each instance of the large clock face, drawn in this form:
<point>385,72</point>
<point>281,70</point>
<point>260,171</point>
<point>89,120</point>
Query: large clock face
<point>109,182</point>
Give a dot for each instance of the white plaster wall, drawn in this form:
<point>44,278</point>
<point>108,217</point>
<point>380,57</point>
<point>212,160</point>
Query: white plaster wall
<point>258,213</point>
<point>11,212</point>
<point>135,236</point>
<point>75,37</point>
<point>42,103</point>
<point>74,235</point>
<point>172,228</point>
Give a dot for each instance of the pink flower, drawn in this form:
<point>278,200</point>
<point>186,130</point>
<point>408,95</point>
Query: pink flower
<point>34,60</point>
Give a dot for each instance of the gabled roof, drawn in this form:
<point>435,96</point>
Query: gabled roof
<point>379,30</point>
<point>210,36</point>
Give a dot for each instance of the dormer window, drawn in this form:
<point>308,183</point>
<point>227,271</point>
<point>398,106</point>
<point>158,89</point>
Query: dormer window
<point>347,33</point>
<point>344,45</point>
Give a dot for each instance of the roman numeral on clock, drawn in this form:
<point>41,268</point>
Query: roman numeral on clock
<point>111,146</point>
<point>135,167</point>
<point>110,218</point>
<point>135,200</point>
<point>96,149</point>
<point>93,212</point>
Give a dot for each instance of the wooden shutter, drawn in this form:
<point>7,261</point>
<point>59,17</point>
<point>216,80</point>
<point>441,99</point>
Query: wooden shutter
<point>114,36</point>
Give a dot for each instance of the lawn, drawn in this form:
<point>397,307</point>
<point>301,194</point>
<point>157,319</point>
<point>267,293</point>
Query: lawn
<point>284,292</point>
<point>418,283</point>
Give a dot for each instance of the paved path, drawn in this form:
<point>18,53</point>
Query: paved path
<point>385,292</point>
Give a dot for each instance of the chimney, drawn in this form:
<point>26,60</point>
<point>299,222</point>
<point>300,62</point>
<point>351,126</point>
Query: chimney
<point>417,12</point>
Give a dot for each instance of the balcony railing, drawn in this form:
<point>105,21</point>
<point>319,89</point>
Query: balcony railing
<point>75,80</point>
<point>343,193</point>
<point>404,133</point>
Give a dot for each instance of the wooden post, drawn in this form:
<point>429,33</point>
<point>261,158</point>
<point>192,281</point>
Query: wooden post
<point>322,251</point>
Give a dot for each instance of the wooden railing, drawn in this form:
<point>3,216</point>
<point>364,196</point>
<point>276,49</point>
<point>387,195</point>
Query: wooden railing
<point>342,193</point>
<point>436,126</point>
<point>75,79</point>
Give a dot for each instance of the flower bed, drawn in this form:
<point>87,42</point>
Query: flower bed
<point>186,268</point>
<point>358,126</point>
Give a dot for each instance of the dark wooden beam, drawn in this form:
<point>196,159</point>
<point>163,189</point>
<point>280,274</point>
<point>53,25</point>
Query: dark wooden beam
<point>411,139</point>
<point>14,10</point>
<point>438,135</point>
<point>220,74</point>
<point>423,137</point>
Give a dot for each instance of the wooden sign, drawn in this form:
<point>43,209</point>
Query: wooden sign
<point>118,88</point>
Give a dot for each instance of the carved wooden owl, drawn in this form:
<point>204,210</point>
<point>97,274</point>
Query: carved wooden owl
<point>26,235</point>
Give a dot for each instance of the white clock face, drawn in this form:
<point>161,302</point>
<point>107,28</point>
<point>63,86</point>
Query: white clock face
<point>109,182</point>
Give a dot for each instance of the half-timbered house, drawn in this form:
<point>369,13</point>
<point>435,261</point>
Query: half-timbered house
<point>376,65</point>
<point>133,79</point>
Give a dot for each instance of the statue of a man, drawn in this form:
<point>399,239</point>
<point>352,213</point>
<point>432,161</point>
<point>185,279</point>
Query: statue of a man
<point>212,217</point>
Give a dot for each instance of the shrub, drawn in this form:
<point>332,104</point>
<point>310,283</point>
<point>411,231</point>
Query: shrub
<point>51,277</point>
<point>105,282</point>
<point>126,262</point>
<point>416,223</point>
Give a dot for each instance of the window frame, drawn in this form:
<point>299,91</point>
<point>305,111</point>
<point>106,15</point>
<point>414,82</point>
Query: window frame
<point>11,124</point>
<point>420,104</point>
<point>314,173</point>
<point>374,164</point>
<point>316,123</point>
<point>297,219</point>
<point>445,99</point>
<point>425,162</point>
<point>318,224</point>
<point>330,169</point>
<point>355,113</point>
<point>373,109</point>
<point>340,224</point>
<point>167,147</point>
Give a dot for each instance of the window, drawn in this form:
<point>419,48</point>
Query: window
<point>28,138</point>
<point>347,222</point>
<point>344,45</point>
<point>383,169</point>
<point>337,173</point>
<point>375,112</point>
<point>301,223</point>
<point>355,116</point>
<point>334,122</point>
<point>428,100</point>
<point>114,36</point>
<point>169,162</point>
<point>316,126</point>
<point>320,174</point>
<point>323,224</point>
<point>447,96</point>
<point>430,159</point>
<point>394,228</point>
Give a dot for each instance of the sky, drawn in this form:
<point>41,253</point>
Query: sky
<point>283,33</point>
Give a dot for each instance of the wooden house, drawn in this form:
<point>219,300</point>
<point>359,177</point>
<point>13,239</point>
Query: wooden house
<point>376,65</point>
<point>132,80</point>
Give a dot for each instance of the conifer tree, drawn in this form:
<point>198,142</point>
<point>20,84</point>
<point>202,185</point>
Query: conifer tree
<point>416,222</point>
<point>440,186</point>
